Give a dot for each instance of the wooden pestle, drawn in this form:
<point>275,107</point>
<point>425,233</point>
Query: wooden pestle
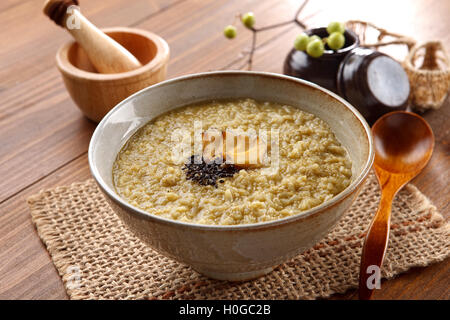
<point>107,55</point>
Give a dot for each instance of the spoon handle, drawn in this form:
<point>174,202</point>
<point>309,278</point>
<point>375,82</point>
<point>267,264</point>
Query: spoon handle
<point>375,244</point>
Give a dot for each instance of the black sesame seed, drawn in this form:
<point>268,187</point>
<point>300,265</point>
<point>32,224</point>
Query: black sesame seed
<point>207,173</point>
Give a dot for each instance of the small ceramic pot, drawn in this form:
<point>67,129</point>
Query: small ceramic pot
<point>96,93</point>
<point>373,82</point>
<point>322,70</point>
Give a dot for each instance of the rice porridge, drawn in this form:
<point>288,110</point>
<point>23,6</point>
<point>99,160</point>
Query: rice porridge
<point>311,167</point>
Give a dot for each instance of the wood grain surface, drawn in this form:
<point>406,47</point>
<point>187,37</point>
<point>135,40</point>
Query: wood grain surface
<point>44,137</point>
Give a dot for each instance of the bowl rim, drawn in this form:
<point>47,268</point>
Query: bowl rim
<point>253,226</point>
<point>161,57</point>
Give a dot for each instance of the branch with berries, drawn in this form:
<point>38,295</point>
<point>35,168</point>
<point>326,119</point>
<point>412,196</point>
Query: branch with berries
<point>313,45</point>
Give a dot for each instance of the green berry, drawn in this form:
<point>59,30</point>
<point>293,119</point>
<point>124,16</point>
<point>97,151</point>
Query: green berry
<point>301,42</point>
<point>336,40</point>
<point>248,20</point>
<point>230,32</point>
<point>336,27</point>
<point>315,48</point>
<point>314,37</point>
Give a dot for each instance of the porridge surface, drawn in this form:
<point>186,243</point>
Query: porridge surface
<point>313,166</point>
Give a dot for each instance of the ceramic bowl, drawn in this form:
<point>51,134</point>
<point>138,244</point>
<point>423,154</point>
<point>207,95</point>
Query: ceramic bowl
<point>237,252</point>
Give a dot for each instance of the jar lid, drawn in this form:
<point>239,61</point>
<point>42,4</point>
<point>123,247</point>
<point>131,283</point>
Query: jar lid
<point>373,82</point>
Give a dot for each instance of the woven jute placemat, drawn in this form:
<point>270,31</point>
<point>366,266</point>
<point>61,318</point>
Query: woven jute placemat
<point>98,258</point>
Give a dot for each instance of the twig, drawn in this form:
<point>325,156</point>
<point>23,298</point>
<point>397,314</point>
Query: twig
<point>297,13</point>
<point>273,26</point>
<point>252,50</point>
<point>245,53</point>
<point>255,31</point>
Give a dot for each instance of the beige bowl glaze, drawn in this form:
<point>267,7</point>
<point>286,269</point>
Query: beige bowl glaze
<point>231,252</point>
<point>96,93</point>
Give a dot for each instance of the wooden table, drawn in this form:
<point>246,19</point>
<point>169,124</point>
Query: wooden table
<point>44,137</point>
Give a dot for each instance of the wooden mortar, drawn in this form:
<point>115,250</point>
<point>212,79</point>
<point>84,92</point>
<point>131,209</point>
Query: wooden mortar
<point>97,93</point>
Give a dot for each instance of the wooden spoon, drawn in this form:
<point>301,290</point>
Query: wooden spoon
<point>403,143</point>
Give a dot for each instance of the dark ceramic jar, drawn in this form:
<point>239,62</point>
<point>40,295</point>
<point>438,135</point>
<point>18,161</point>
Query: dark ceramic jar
<point>322,70</point>
<point>373,82</point>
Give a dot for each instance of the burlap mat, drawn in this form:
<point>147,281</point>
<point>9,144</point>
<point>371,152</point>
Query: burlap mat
<point>99,259</point>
